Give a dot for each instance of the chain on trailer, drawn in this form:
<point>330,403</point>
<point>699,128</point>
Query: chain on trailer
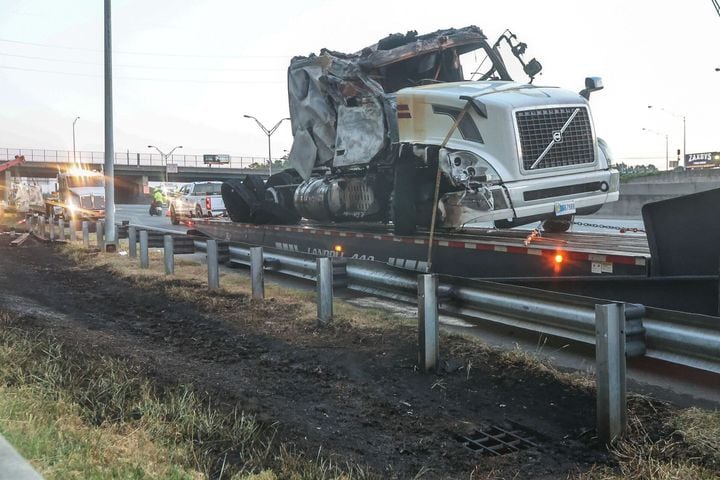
<point>536,235</point>
<point>610,227</point>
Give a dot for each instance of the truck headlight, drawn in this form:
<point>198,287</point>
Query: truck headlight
<point>614,181</point>
<point>605,149</point>
<point>463,167</point>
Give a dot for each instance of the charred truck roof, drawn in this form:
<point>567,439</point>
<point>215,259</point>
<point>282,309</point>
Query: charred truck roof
<point>325,90</point>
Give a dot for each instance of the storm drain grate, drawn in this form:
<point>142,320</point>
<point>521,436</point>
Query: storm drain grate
<point>496,441</point>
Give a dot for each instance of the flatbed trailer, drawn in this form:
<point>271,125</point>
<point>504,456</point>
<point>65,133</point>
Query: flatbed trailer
<point>675,266</point>
<point>472,252</point>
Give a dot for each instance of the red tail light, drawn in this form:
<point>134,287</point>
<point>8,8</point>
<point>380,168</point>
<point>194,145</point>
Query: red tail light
<point>207,204</point>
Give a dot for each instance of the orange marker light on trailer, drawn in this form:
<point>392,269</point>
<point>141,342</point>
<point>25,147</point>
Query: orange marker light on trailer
<point>559,259</point>
<point>338,248</point>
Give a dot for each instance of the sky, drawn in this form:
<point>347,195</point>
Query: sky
<point>186,71</point>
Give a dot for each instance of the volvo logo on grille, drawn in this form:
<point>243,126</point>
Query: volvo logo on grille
<point>557,136</point>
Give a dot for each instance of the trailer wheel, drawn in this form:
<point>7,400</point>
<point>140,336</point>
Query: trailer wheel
<point>557,225</point>
<point>404,212</point>
<point>240,201</point>
<point>256,185</point>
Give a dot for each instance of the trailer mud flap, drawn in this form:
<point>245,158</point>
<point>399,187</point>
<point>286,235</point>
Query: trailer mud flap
<point>684,234</point>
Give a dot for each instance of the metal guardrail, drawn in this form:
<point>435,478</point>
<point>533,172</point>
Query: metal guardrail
<point>687,339</point>
<point>126,158</point>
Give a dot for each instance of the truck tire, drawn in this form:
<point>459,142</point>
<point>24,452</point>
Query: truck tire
<point>240,201</point>
<point>271,213</point>
<point>198,211</point>
<point>256,185</point>
<point>558,224</point>
<point>404,211</point>
<point>286,177</point>
<point>173,216</point>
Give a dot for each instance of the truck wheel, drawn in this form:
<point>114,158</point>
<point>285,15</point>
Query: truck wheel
<point>557,225</point>
<point>256,185</point>
<point>198,211</point>
<point>404,212</point>
<point>240,201</point>
<point>173,217</point>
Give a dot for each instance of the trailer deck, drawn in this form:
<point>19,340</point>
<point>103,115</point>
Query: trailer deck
<point>472,252</point>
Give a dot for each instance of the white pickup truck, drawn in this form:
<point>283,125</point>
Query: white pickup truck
<point>197,200</point>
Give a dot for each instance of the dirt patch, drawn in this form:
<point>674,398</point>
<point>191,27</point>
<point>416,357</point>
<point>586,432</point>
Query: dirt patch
<point>352,393</point>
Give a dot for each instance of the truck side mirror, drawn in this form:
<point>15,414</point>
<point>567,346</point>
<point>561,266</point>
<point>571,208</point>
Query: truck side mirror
<point>592,84</point>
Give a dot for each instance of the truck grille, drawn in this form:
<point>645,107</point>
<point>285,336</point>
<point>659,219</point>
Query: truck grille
<point>539,128</point>
<point>92,202</point>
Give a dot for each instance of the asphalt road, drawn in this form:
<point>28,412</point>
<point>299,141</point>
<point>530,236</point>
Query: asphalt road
<point>139,215</point>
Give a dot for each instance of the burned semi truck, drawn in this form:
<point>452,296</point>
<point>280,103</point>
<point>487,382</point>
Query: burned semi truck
<point>396,133</point>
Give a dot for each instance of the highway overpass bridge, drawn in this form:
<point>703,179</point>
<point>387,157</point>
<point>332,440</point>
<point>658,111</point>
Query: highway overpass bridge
<point>133,171</point>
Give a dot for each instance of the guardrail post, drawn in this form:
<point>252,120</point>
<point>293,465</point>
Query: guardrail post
<point>169,253</point>
<point>212,261</point>
<point>324,290</point>
<point>610,369</point>
<point>144,254</point>
<point>132,242</point>
<point>43,227</point>
<point>428,335</point>
<point>73,230</point>
<point>86,233</point>
<point>100,234</point>
<point>256,273</point>
<point>61,229</point>
<point>51,229</point>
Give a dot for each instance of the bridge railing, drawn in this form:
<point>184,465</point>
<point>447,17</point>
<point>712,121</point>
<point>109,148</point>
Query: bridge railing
<point>126,158</point>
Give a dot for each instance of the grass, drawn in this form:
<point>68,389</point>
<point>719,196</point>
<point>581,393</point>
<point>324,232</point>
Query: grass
<point>77,416</point>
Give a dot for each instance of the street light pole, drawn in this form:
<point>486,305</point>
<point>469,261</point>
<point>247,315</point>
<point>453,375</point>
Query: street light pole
<point>667,156</point>
<point>74,121</point>
<point>677,115</point>
<point>110,244</point>
<point>164,157</point>
<point>269,134</point>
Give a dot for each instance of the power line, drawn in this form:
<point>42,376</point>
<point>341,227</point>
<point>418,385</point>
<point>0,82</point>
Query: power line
<point>172,80</point>
<point>45,45</point>
<point>154,67</point>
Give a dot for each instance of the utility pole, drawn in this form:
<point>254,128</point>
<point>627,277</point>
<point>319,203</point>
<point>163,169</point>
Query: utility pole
<point>74,121</point>
<point>269,134</point>
<point>110,232</point>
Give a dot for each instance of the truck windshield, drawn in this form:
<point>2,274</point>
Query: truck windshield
<point>207,189</point>
<point>86,181</point>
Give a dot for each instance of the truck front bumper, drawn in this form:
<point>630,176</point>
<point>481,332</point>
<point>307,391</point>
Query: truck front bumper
<point>526,201</point>
<point>585,190</point>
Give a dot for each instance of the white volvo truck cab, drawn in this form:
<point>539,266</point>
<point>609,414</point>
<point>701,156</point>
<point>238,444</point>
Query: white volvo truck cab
<point>396,133</point>
<point>520,153</point>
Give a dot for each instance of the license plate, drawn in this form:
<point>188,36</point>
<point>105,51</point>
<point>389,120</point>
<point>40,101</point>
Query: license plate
<point>565,208</point>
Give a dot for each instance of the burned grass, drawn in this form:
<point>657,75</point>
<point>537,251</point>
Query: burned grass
<point>339,401</point>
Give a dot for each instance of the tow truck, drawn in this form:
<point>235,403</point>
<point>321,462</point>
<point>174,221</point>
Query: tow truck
<point>80,195</point>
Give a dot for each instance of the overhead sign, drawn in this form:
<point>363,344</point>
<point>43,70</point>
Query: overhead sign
<point>216,158</point>
<point>702,160</point>
<point>172,168</point>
